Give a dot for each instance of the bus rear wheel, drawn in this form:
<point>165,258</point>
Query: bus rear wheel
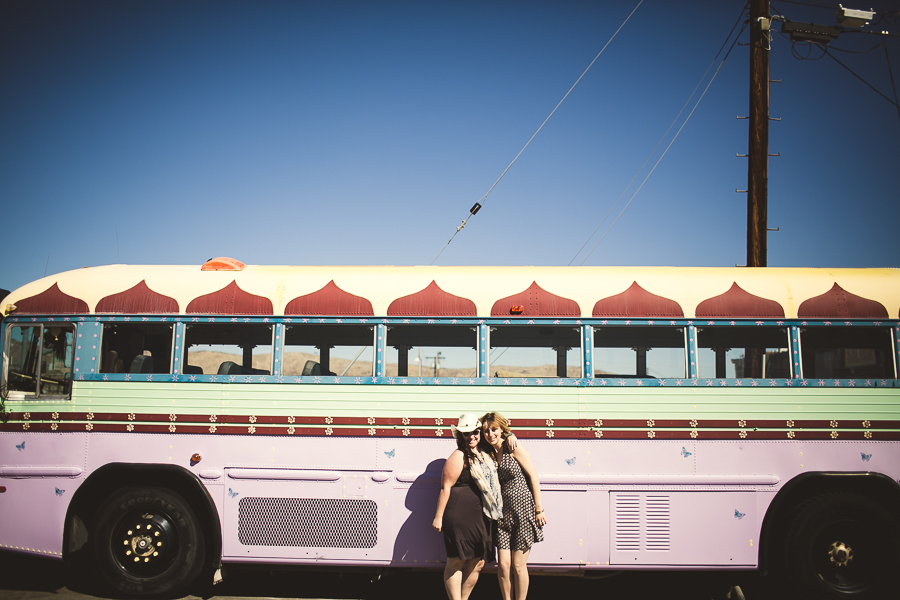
<point>148,543</point>
<point>843,545</point>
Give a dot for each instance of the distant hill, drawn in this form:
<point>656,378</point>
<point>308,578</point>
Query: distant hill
<point>295,361</point>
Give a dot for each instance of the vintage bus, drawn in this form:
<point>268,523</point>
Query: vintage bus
<point>160,422</point>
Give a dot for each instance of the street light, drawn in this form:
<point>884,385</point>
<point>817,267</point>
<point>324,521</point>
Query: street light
<point>849,17</point>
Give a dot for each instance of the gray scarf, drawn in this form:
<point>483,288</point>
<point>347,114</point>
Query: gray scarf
<point>484,471</point>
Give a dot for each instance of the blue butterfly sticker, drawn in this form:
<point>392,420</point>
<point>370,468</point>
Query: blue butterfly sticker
<point>232,493</point>
<point>739,515</point>
<point>391,453</point>
<point>570,461</point>
<point>684,452</point>
<point>59,492</point>
<point>864,456</point>
<point>20,447</point>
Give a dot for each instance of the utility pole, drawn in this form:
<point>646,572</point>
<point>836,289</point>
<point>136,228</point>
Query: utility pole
<point>758,146</point>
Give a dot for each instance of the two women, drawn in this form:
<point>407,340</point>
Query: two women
<point>523,515</point>
<point>469,500</point>
<point>488,480</point>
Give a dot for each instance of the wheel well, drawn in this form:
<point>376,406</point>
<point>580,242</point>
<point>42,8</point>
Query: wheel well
<point>880,488</point>
<point>80,518</point>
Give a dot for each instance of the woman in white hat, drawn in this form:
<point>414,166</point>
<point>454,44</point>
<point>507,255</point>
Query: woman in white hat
<point>469,498</point>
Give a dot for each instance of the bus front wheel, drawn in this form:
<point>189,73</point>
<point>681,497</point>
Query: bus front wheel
<point>843,545</point>
<point>148,543</point>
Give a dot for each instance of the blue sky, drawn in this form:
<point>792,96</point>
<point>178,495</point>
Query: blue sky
<point>348,132</point>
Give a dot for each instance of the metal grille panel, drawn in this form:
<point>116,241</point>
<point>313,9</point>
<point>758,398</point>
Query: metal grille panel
<point>642,522</point>
<point>308,522</point>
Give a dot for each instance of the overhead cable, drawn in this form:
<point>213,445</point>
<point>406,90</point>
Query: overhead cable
<point>663,138</point>
<point>482,200</point>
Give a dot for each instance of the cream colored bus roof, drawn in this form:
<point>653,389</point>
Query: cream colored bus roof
<point>485,286</point>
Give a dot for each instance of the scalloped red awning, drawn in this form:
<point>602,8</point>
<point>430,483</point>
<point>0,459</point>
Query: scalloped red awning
<point>330,300</point>
<point>638,303</point>
<point>138,300</point>
<point>536,302</point>
<point>838,303</point>
<point>738,303</point>
<point>231,300</point>
<point>51,301</point>
<point>432,302</point>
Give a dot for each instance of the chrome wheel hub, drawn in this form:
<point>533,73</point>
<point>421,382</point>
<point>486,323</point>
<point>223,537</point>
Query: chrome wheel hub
<point>840,554</point>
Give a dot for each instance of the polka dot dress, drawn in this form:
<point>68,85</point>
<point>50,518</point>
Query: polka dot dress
<point>518,529</point>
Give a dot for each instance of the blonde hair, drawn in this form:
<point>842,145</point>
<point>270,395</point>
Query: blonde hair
<point>495,418</point>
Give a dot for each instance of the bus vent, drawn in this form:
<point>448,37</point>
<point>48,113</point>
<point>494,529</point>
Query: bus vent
<point>642,522</point>
<point>308,522</point>
<point>656,533</point>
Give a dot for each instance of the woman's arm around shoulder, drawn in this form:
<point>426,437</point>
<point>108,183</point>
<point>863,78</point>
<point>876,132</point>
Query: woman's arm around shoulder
<point>452,470</point>
<point>524,459</point>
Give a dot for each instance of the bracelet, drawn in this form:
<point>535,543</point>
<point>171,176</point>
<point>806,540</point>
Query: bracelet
<point>537,512</point>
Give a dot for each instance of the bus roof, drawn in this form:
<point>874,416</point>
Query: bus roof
<point>463,291</point>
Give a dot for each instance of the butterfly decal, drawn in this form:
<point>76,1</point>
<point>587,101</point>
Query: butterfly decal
<point>391,453</point>
<point>20,447</point>
<point>232,493</point>
<point>684,452</point>
<point>739,515</point>
<point>59,492</point>
<point>864,456</point>
<point>570,461</point>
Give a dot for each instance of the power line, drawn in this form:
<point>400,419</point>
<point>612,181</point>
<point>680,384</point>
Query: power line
<point>887,57</point>
<point>480,202</point>
<point>678,116</point>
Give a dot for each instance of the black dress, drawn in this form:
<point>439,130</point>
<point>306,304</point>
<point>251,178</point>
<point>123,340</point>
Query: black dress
<point>518,529</point>
<point>467,533</point>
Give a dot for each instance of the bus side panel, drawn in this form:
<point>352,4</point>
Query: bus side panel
<point>40,473</point>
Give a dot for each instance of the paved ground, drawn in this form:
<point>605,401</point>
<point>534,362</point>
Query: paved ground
<point>26,578</point>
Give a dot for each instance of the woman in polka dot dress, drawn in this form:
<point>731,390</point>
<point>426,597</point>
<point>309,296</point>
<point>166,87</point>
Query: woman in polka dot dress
<point>523,516</point>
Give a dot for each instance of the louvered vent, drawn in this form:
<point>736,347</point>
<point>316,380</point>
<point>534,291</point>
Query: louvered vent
<point>628,522</point>
<point>308,522</point>
<point>656,530</point>
<point>642,522</point>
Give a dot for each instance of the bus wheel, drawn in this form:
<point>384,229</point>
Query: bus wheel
<point>148,542</point>
<point>843,545</point>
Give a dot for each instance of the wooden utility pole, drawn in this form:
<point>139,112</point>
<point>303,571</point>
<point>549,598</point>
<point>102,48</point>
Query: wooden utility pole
<point>758,146</point>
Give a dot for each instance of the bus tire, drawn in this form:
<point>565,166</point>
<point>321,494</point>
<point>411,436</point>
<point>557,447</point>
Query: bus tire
<point>148,543</point>
<point>842,545</point>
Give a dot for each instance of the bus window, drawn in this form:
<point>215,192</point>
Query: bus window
<point>634,351</point>
<point>535,351</point>
<point>733,352</point>
<point>846,352</point>
<point>431,351</point>
<point>136,348</point>
<point>343,350</point>
<point>227,349</point>
<point>39,360</point>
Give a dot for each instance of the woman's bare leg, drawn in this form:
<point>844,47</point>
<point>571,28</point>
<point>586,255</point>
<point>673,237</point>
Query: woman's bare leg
<point>470,573</point>
<point>520,573</point>
<point>503,573</point>
<point>453,578</point>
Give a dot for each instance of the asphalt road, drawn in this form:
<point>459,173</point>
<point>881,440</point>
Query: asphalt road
<point>28,578</point>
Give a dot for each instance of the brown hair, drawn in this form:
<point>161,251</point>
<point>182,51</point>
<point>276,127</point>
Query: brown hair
<point>462,444</point>
<point>495,418</point>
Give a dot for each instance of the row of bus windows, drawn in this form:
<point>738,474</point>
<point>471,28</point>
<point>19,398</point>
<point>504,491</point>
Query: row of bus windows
<point>39,357</point>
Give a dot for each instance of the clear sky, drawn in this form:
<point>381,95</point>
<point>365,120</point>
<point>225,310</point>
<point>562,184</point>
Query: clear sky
<point>345,132</point>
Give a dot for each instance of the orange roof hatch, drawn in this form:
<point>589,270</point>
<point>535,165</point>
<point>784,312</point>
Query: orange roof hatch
<point>223,263</point>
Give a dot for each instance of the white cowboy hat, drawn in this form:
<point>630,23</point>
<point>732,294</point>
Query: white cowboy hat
<point>467,422</point>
